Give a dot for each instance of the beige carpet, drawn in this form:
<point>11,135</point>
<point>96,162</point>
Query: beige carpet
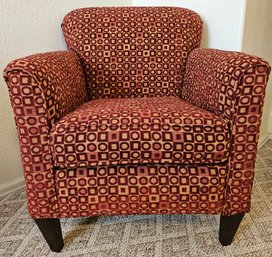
<point>152,235</point>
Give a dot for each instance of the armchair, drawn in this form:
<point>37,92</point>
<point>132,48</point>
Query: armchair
<point>135,118</point>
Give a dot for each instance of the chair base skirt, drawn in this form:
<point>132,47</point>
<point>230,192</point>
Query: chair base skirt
<point>228,227</point>
<point>51,231</point>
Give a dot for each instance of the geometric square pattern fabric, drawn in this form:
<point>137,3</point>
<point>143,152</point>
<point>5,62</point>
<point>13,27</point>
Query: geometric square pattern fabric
<point>218,80</point>
<point>136,189</point>
<point>179,112</point>
<point>60,78</point>
<point>132,51</point>
<point>139,131</point>
<point>43,88</point>
<point>32,129</point>
<point>231,85</point>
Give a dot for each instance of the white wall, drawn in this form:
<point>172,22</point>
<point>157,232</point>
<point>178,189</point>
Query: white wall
<point>223,20</point>
<point>28,27</point>
<point>257,40</point>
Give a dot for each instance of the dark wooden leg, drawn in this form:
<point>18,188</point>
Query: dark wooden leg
<point>51,231</point>
<point>228,227</point>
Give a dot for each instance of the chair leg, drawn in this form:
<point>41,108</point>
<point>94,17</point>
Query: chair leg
<point>228,227</point>
<point>51,230</point>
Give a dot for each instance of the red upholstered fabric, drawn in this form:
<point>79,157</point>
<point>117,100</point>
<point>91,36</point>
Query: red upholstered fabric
<point>231,85</point>
<point>147,57</point>
<point>59,77</point>
<point>133,51</point>
<point>42,89</point>
<point>149,189</point>
<point>139,130</point>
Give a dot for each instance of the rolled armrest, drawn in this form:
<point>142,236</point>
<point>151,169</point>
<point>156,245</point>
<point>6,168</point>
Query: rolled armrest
<point>218,80</point>
<point>59,77</point>
<point>231,85</point>
<point>42,88</point>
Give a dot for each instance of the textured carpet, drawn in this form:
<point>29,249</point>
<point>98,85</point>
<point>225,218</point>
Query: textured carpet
<point>151,235</point>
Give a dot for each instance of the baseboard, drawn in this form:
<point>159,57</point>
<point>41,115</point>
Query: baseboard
<point>270,126</point>
<point>263,140</point>
<point>11,186</point>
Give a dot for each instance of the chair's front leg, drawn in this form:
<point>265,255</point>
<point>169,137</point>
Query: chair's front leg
<point>51,231</point>
<point>228,227</point>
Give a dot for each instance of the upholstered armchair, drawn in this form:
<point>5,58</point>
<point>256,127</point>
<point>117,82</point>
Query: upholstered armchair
<point>135,118</point>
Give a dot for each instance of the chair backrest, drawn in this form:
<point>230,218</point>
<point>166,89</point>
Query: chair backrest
<point>132,51</point>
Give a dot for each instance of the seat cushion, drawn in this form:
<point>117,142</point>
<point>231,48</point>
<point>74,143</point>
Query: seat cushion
<point>139,130</point>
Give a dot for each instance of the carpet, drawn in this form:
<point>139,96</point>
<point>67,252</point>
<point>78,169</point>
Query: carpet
<point>145,235</point>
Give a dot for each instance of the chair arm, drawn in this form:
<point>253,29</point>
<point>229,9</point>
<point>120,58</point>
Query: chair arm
<point>58,75</point>
<point>42,89</point>
<point>231,85</point>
